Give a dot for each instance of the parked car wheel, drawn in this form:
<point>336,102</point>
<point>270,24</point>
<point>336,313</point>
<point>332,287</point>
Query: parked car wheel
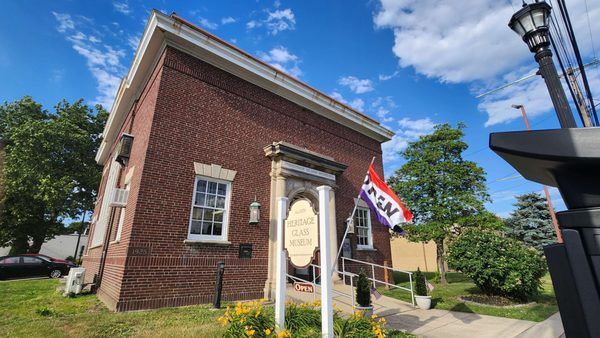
<point>56,273</point>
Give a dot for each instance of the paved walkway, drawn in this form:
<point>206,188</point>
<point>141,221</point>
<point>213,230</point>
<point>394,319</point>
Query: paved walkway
<point>441,323</point>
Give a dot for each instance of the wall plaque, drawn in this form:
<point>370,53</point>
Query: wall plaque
<point>347,248</point>
<point>245,251</point>
<point>301,235</point>
<point>139,251</point>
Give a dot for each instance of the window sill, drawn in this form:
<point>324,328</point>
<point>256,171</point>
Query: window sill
<point>95,246</point>
<point>206,241</point>
<point>116,241</point>
<point>366,248</point>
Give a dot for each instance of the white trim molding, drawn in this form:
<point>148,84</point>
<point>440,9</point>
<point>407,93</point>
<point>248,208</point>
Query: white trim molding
<point>214,171</point>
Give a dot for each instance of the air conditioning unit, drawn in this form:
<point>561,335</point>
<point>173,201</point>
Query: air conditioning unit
<point>74,281</point>
<point>119,198</point>
<point>124,149</point>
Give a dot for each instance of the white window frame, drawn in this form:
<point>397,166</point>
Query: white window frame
<point>226,212</point>
<point>357,225</point>
<point>121,219</point>
<point>101,225</point>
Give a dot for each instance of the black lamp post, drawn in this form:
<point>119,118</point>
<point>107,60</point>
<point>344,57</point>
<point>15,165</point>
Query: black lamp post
<point>569,159</point>
<point>531,23</point>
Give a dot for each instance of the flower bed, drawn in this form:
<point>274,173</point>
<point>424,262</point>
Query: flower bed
<point>254,319</point>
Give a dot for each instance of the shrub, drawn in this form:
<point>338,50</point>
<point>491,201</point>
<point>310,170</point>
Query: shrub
<point>498,265</point>
<point>420,286</point>
<point>363,290</point>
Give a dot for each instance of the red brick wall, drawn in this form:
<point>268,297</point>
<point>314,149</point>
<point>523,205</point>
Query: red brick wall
<point>137,123</point>
<point>205,115</point>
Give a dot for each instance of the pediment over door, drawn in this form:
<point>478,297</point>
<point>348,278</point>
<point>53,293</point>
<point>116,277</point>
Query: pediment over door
<point>294,161</point>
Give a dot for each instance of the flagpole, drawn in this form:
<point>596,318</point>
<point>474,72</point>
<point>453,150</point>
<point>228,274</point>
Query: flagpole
<point>334,265</point>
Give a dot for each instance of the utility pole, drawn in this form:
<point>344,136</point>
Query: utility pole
<point>580,101</point>
<point>552,214</point>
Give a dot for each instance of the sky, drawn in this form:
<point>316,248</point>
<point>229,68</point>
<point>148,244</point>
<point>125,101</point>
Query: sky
<point>410,64</point>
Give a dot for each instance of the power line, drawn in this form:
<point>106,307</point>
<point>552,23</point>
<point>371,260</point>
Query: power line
<point>569,28</point>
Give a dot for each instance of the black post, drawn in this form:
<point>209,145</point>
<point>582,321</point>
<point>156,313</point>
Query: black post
<point>79,235</point>
<point>548,71</point>
<point>219,285</point>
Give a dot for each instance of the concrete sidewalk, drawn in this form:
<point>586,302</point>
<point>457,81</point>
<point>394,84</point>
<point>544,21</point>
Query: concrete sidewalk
<point>441,323</point>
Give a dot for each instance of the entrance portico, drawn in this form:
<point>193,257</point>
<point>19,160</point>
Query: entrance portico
<point>296,173</point>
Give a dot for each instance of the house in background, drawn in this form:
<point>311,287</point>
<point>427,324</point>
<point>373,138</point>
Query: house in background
<point>408,256</point>
<point>199,131</point>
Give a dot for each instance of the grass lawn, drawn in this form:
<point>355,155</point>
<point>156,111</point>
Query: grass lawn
<point>445,297</point>
<point>32,308</point>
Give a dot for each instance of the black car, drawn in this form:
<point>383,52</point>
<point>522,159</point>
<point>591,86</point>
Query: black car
<point>31,266</point>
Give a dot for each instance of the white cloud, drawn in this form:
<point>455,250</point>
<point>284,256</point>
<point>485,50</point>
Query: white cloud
<point>282,59</point>
<point>103,61</point>
<point>122,7</point>
<point>385,77</point>
<point>208,24</point>
<point>57,75</point>
<point>279,54</point>
<point>469,42</point>
<point>357,103</point>
<point>358,86</point>
<point>410,130</point>
<point>64,22</point>
<point>275,22</point>
<point>227,20</point>
<point>382,107</point>
<point>452,41</point>
<point>280,20</point>
<point>133,41</point>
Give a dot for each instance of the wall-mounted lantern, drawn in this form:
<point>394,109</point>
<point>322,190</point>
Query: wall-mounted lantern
<point>254,212</point>
<point>350,225</point>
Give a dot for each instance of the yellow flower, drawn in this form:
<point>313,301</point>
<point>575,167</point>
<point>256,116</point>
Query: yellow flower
<point>250,333</point>
<point>268,332</point>
<point>284,334</point>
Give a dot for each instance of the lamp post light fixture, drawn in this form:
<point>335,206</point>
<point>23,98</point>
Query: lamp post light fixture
<point>254,212</point>
<point>531,23</point>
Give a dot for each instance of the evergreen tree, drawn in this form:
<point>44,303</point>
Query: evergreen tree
<point>530,222</point>
<point>442,189</point>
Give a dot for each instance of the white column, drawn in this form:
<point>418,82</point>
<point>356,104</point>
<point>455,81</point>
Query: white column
<point>325,248</point>
<point>281,266</point>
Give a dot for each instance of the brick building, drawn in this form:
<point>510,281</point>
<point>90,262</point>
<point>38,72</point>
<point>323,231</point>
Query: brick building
<point>213,129</point>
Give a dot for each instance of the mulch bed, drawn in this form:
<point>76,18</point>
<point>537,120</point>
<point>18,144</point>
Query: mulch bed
<point>493,301</point>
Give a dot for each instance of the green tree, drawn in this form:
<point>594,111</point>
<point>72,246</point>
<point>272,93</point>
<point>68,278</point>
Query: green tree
<point>439,187</point>
<point>49,172</point>
<point>530,222</point>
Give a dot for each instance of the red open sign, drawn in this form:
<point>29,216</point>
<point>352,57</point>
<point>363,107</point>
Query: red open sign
<point>304,287</point>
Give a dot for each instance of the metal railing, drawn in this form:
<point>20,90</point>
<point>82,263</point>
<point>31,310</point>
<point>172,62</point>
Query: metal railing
<point>345,274</point>
<point>315,284</point>
<point>373,278</point>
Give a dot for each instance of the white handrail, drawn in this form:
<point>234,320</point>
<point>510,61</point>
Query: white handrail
<point>375,281</point>
<point>345,273</point>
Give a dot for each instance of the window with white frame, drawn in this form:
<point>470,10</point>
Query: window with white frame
<point>210,209</point>
<point>362,224</point>
<point>104,213</point>
<point>121,221</point>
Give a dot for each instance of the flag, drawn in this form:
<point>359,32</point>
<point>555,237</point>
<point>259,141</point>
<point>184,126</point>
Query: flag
<point>375,293</point>
<point>383,201</point>
<point>428,285</point>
